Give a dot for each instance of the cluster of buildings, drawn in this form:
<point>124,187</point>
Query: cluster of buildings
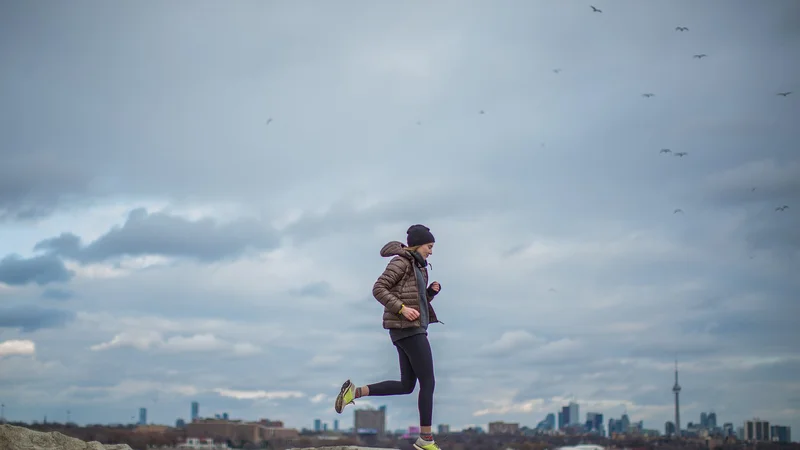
<point>221,428</point>
<point>568,422</point>
<point>753,430</point>
<point>370,424</point>
<point>320,427</point>
<point>239,431</point>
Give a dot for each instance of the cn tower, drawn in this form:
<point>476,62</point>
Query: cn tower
<point>677,390</point>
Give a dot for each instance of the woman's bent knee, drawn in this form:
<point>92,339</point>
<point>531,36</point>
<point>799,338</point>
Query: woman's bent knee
<point>427,383</point>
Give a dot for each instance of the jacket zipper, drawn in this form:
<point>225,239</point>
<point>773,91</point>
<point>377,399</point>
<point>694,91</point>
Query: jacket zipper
<point>426,294</point>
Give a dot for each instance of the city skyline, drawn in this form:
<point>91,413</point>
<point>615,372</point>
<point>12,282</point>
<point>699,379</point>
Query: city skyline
<point>192,207</point>
<point>707,419</point>
<point>568,422</point>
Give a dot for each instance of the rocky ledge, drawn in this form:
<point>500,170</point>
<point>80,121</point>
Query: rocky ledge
<point>19,438</point>
<point>345,447</point>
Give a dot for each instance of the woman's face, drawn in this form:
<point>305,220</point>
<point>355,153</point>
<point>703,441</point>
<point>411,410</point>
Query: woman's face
<point>425,250</point>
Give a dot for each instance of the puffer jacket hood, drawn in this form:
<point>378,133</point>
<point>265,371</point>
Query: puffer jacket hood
<point>395,248</point>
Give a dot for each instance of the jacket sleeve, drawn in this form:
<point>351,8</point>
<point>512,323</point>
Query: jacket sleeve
<point>392,275</point>
<point>431,293</point>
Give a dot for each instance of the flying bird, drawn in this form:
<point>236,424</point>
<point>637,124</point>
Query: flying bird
<point>681,154</point>
<point>556,70</point>
<point>552,290</point>
<point>269,120</point>
<point>753,189</point>
<point>781,208</point>
<point>701,55</point>
<point>677,211</point>
<point>648,95</point>
<point>481,112</point>
<point>595,9</point>
<point>665,150</point>
<point>784,93</point>
<point>419,123</point>
<point>681,29</point>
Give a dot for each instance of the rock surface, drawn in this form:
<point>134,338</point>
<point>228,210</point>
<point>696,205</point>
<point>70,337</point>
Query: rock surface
<point>20,438</point>
<point>343,447</point>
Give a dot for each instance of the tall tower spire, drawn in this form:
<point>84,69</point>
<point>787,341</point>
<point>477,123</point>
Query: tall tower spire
<point>677,390</point>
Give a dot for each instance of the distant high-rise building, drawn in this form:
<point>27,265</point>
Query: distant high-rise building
<point>781,434</point>
<point>703,420</point>
<point>589,424</point>
<point>336,425</point>
<point>371,419</point>
<point>565,413</point>
<point>561,422</point>
<point>549,422</point>
<point>711,420</point>
<point>669,428</point>
<point>594,422</point>
<point>195,411</point>
<point>325,426</point>
<point>727,429</point>
<point>180,423</point>
<point>677,390</point>
<point>142,416</point>
<point>625,424</point>
<point>574,416</point>
<point>756,430</point>
<point>225,416</point>
<point>317,425</point>
<point>443,428</point>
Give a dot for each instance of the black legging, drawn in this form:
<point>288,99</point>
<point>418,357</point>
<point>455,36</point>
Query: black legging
<point>416,362</point>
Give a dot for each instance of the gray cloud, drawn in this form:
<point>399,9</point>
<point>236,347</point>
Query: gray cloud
<point>317,289</point>
<point>766,182</point>
<point>57,294</point>
<point>31,318</point>
<point>779,233</point>
<point>771,371</point>
<point>44,269</point>
<point>159,233</point>
<point>34,183</point>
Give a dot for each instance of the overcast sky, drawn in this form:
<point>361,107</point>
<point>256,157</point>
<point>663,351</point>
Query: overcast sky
<point>160,242</point>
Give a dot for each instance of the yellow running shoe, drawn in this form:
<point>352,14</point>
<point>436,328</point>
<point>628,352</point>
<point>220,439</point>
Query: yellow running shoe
<point>346,396</point>
<point>426,445</point>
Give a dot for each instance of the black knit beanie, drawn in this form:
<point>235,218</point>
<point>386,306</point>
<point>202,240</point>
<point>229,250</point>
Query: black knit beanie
<point>419,235</point>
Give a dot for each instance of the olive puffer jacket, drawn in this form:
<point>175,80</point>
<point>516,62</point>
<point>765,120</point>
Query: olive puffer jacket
<point>397,286</point>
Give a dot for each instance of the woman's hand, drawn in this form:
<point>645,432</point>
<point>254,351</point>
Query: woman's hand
<point>410,313</point>
<point>436,286</point>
